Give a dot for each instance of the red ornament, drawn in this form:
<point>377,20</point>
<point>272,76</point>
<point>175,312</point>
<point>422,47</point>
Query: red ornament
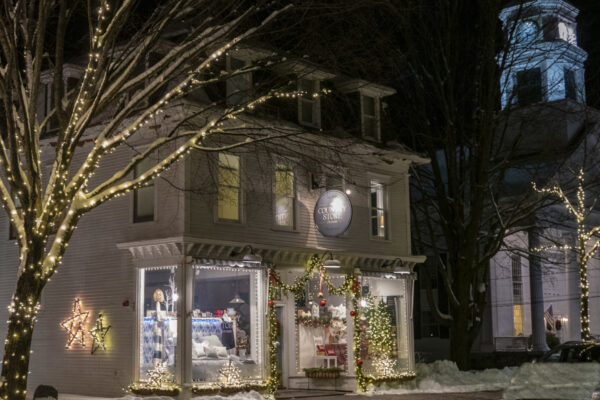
<point>359,362</point>
<point>323,302</point>
<point>352,313</point>
<point>126,303</point>
<point>271,303</point>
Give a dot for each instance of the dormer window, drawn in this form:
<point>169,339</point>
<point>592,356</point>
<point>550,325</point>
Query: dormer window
<point>567,33</point>
<point>309,104</point>
<point>527,32</point>
<point>370,117</point>
<point>239,86</point>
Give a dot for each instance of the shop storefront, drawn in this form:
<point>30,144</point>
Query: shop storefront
<point>226,325</point>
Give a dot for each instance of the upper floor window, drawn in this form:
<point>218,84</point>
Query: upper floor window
<point>309,103</point>
<point>229,187</point>
<point>143,198</point>
<point>379,219</point>
<point>239,86</point>
<point>285,196</point>
<point>370,117</point>
<point>567,33</point>
<point>529,86</point>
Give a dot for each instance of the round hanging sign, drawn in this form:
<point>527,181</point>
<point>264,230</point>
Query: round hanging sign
<point>333,213</point>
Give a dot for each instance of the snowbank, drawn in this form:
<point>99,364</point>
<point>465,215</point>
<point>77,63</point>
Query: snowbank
<point>554,381</point>
<point>530,381</point>
<point>445,377</point>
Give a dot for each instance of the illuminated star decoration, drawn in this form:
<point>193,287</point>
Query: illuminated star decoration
<point>98,334</point>
<point>75,326</point>
<point>159,376</point>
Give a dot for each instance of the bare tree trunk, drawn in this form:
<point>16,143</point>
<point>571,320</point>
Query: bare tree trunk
<point>21,321</point>
<point>460,343</point>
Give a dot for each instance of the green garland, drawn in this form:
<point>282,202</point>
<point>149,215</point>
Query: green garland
<point>318,322</point>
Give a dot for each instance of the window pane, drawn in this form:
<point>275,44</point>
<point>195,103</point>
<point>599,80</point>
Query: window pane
<point>368,106</point>
<point>370,128</point>
<point>529,86</point>
<point>227,323</point>
<point>385,347</point>
<point>143,198</point>
<point>238,86</point>
<point>284,196</point>
<point>306,114</point>
<point>307,87</point>
<point>159,320</point>
<point>378,210</point>
<point>322,330</point>
<point>228,203</point>
<point>570,85</point>
<point>229,187</point>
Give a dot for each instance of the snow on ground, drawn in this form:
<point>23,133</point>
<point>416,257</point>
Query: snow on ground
<point>530,381</point>
<point>445,377</point>
<point>239,396</point>
<point>554,381</point>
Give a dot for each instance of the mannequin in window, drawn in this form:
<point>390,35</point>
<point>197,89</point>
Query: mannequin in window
<point>158,341</point>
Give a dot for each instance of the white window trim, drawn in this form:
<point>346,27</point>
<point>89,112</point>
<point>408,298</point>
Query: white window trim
<point>386,182</point>
<point>316,104</point>
<point>377,101</point>
<point>241,208</point>
<point>274,225</point>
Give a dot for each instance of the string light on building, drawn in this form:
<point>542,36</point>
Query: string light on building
<point>98,334</point>
<point>75,325</point>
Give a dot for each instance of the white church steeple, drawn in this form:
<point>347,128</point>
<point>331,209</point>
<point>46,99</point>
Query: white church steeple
<point>544,62</point>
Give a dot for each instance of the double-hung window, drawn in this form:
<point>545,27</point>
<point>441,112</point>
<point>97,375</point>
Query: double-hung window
<point>309,103</point>
<point>229,187</point>
<point>285,196</point>
<point>370,117</point>
<point>143,198</point>
<point>517,283</point>
<point>379,217</point>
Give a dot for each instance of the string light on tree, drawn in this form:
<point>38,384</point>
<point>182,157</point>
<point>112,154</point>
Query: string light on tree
<point>75,325</point>
<point>586,246</point>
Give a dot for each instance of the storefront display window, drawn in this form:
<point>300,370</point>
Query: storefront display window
<point>227,322</point>
<point>385,340</point>
<point>158,329</point>
<point>322,333</point>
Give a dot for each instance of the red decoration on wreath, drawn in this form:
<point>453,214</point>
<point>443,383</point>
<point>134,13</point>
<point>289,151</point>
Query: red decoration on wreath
<point>271,303</point>
<point>352,313</point>
<point>359,362</point>
<point>323,302</point>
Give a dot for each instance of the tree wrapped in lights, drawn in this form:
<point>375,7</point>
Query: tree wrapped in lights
<point>586,246</point>
<point>110,88</point>
<point>380,333</point>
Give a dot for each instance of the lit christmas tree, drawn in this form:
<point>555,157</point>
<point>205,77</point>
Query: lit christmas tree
<point>380,333</point>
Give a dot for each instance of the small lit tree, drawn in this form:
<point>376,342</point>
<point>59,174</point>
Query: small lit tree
<point>380,335</point>
<point>587,243</point>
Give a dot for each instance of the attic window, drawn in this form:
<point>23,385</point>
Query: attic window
<point>370,117</point>
<point>309,103</point>
<point>239,86</point>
